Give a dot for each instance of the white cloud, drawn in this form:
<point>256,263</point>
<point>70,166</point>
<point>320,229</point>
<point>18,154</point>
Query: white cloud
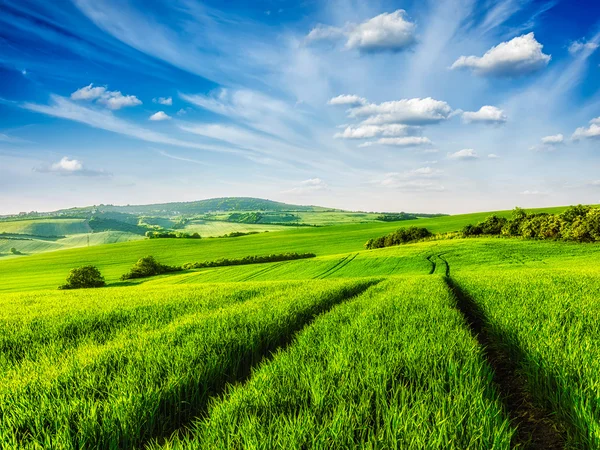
<point>414,111</point>
<point>466,153</point>
<point>88,93</point>
<point>168,101</point>
<point>308,186</point>
<point>371,131</point>
<point>493,156</point>
<point>486,114</point>
<point>325,33</point>
<point>519,56</point>
<point>385,32</point>
<point>68,166</point>
<point>160,115</point>
<point>581,45</point>
<point>111,99</point>
<point>408,141</point>
<point>595,183</point>
<point>591,132</point>
<point>555,139</point>
<point>350,100</point>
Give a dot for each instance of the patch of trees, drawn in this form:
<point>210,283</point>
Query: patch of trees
<point>239,233</point>
<point>14,251</point>
<point>148,266</point>
<point>396,217</point>
<point>84,277</point>
<point>249,260</point>
<point>171,235</point>
<point>577,223</point>
<point>401,236</point>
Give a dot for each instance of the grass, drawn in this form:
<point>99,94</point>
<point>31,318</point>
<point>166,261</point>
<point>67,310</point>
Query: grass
<point>45,227</point>
<point>550,323</point>
<point>75,376</point>
<point>213,228</point>
<point>299,354</point>
<point>48,270</point>
<point>394,368</point>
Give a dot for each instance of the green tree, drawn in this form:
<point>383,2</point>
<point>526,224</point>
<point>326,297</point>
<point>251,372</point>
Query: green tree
<point>84,277</point>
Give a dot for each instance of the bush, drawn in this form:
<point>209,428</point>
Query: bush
<point>148,266</point>
<point>249,260</point>
<point>84,277</point>
<point>402,236</point>
<point>577,223</point>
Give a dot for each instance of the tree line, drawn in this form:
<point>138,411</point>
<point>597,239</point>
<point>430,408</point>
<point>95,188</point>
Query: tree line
<point>577,223</point>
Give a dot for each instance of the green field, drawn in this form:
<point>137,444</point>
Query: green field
<point>423,345</point>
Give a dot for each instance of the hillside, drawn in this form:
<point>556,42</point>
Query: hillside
<point>197,207</point>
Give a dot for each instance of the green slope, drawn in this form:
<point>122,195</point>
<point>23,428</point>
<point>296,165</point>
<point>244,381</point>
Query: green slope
<point>48,270</point>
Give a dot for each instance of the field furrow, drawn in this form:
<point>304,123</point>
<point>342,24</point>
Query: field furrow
<point>394,368</point>
<point>122,392</point>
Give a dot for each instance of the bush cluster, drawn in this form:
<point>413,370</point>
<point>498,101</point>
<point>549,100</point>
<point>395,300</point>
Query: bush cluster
<point>249,260</point>
<point>84,277</point>
<point>402,236</point>
<point>577,223</point>
<point>171,235</point>
<point>396,217</point>
<point>148,266</point>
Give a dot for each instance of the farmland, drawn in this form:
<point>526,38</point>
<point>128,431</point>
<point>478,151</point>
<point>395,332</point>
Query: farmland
<point>425,345</point>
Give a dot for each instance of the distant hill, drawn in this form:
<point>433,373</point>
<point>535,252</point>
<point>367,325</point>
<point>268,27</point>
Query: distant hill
<point>197,207</point>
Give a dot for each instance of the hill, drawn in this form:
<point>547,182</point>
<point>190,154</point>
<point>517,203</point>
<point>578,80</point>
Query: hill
<point>196,207</point>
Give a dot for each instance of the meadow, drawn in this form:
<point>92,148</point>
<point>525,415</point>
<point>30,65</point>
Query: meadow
<point>414,346</point>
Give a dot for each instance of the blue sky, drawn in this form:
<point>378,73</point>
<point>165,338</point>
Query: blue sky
<point>430,106</point>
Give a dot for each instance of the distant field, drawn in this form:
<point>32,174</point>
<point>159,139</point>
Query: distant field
<point>33,245</point>
<point>48,270</point>
<point>213,228</point>
<point>46,227</point>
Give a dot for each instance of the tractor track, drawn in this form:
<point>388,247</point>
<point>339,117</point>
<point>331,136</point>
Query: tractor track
<point>536,428</point>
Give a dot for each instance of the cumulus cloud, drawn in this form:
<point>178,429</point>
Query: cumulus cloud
<point>347,100</point>
<point>414,111</point>
<point>519,56</point>
<point>486,114</point>
<point>385,32</point>
<point>168,101</point>
<point>464,154</point>
<point>371,131</point>
<point>68,166</point>
<point>555,139</point>
<point>591,132</point>
<point>110,99</point>
<point>581,45</point>
<point>408,141</point>
<point>308,186</point>
<point>493,156</point>
<point>160,115</point>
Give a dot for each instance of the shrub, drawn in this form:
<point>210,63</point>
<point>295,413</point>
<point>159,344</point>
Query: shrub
<point>84,277</point>
<point>14,251</point>
<point>148,266</point>
<point>402,236</point>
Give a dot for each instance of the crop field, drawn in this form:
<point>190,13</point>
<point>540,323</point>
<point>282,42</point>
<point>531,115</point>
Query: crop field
<point>483,343</point>
<point>214,228</point>
<point>45,227</point>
